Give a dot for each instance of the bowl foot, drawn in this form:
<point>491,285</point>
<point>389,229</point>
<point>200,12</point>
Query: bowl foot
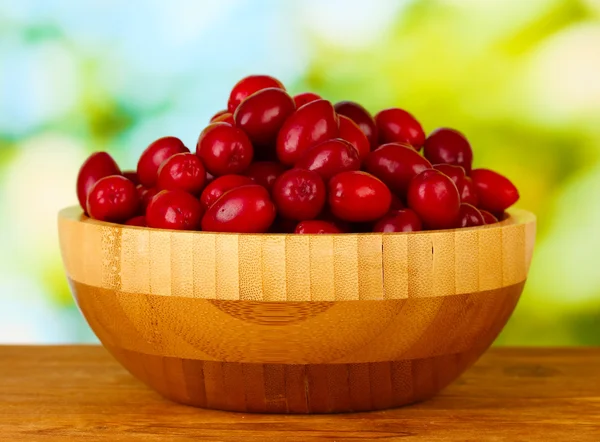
<point>294,389</point>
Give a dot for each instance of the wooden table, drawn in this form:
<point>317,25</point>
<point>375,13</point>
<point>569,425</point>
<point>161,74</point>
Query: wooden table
<point>80,392</point>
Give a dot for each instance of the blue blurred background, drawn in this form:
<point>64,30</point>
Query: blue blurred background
<point>520,78</point>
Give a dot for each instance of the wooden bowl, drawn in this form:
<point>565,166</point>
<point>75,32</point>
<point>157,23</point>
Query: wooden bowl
<point>296,323</point>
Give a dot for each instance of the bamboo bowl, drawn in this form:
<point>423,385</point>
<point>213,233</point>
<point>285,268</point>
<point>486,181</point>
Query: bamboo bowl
<point>296,323</point>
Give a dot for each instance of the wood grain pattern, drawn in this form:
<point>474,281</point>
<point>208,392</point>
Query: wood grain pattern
<point>296,323</point>
<point>81,393</point>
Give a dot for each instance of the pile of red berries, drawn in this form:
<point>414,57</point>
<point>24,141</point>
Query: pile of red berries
<point>276,163</point>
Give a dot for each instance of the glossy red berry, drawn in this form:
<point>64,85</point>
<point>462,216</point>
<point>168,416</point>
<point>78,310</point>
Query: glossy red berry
<point>182,171</point>
<point>496,192</point>
<point>262,114</point>
<point>264,173</point>
<point>224,149</point>
<point>435,199</point>
<point>113,199</point>
<point>361,117</point>
<point>396,165</point>
<point>468,193</point>
<point>249,85</point>
<point>449,146</point>
<point>224,118</point>
<point>469,216</point>
<point>139,221</point>
<point>175,210</point>
<point>219,186</point>
<point>350,132</point>
<point>97,166</point>
<point>330,158</point>
<point>456,173</point>
<point>305,97</point>
<point>404,220</point>
<point>398,126</point>
<point>358,197</point>
<point>488,218</point>
<point>309,125</point>
<point>316,226</point>
<point>131,175</point>
<point>246,209</point>
<point>299,194</point>
<point>153,157</point>
<point>218,114</point>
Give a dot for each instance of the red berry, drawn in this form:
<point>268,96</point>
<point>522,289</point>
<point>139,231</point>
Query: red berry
<point>488,218</point>
<point>316,226</point>
<point>330,158</point>
<point>305,97</point>
<point>139,221</point>
<point>456,173</point>
<point>249,85</point>
<point>469,216</point>
<point>468,193</point>
<point>449,146</point>
<point>398,126</point>
<point>311,124</point>
<point>397,203</point>
<point>113,199</point>
<point>224,149</point>
<point>153,157</point>
<point>404,220</point>
<point>224,118</point>
<point>396,165</point>
<point>245,209</point>
<point>174,210</point>
<point>182,171</point>
<point>131,175</point>
<point>435,199</point>
<point>299,194</point>
<point>262,114</point>
<point>358,197</point>
<point>219,186</point>
<point>264,173</point>
<point>496,192</point>
<point>350,132</point>
<point>145,195</point>
<point>218,114</point>
<point>361,117</point>
<point>98,165</point>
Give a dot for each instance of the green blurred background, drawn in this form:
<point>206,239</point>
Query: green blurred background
<point>520,78</point>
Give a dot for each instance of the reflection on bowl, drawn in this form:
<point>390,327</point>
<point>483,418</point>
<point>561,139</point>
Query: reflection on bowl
<point>296,323</point>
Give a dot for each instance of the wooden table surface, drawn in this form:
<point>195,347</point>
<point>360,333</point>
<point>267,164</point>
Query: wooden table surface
<point>80,392</point>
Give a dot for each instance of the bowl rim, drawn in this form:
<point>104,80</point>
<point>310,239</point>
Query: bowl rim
<point>514,216</point>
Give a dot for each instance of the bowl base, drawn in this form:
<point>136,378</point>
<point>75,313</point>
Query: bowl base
<point>294,389</point>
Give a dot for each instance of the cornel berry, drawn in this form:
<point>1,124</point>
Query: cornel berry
<point>396,165</point>
<point>97,166</point>
<point>281,163</point>
<point>398,126</point>
<point>311,124</point>
<point>112,198</point>
<point>299,194</point>
<point>434,197</point>
<point>154,155</point>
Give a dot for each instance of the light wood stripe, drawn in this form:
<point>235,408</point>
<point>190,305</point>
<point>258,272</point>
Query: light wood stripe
<point>293,267</point>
